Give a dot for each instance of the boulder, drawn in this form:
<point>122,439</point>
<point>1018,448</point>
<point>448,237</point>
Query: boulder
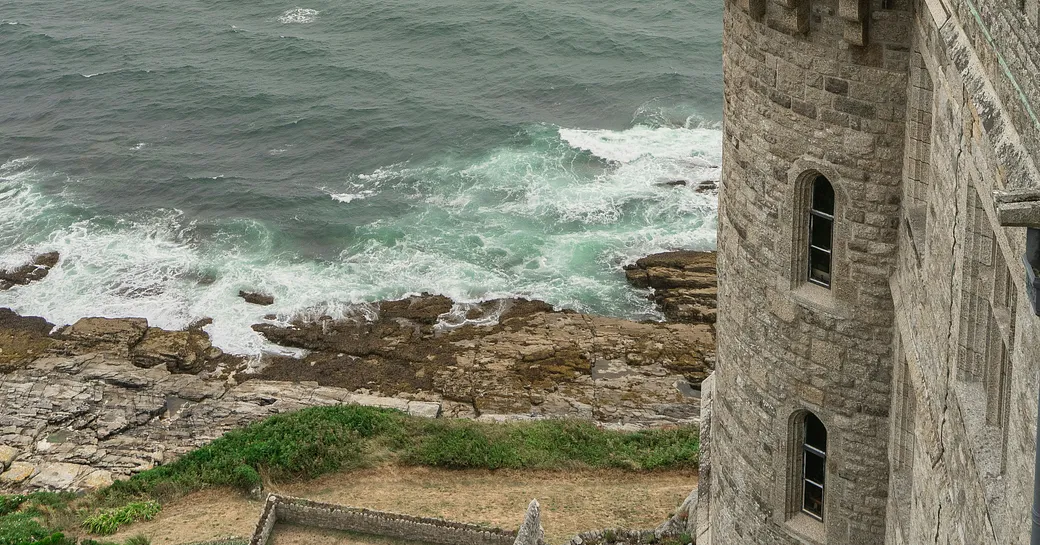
<point>257,298</point>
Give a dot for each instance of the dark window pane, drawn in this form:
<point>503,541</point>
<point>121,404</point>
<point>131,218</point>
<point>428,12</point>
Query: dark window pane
<point>814,468</point>
<point>823,196</point>
<point>815,433</point>
<point>820,232</point>
<point>812,501</point>
<point>820,266</point>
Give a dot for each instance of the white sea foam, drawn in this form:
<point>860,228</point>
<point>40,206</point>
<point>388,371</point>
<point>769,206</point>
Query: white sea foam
<point>629,145</point>
<point>299,16</point>
<point>139,146</point>
<point>349,197</point>
<point>538,221</point>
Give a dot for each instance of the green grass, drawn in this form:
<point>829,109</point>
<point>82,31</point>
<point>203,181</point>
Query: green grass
<point>108,521</point>
<point>321,440</point>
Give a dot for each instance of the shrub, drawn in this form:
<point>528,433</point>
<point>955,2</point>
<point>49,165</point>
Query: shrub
<point>245,478</point>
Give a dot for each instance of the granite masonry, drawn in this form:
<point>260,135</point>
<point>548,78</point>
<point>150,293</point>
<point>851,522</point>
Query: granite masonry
<point>878,362</point>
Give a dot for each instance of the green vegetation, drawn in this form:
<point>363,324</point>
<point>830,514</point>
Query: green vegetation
<point>107,521</point>
<point>321,440</point>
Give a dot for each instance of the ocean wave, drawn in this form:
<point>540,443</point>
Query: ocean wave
<point>299,16</point>
<point>550,216</point>
<point>660,142</point>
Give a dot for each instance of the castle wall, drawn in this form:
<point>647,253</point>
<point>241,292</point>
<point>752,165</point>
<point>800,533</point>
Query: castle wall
<point>922,359</point>
<point>967,358</point>
<point>802,98</point>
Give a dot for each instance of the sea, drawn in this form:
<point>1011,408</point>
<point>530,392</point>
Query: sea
<point>335,153</point>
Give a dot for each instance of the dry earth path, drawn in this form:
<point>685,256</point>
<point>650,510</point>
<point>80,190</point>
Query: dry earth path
<point>572,502</point>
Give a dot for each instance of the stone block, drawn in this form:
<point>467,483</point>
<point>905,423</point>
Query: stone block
<point>424,409</point>
<point>382,402</point>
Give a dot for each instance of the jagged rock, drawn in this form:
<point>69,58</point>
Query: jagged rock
<point>109,394</point>
<point>40,266</point>
<point>22,339</point>
<point>257,298</point>
<point>124,332</point>
<point>535,360</point>
<point>18,473</point>
<point>7,456</point>
<point>685,284</point>
<point>684,521</point>
<point>674,183</point>
<point>710,186</point>
<point>179,351</point>
<point>531,531</point>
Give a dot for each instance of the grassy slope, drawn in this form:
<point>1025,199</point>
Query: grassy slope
<point>321,440</point>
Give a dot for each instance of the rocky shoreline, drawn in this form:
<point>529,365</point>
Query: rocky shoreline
<point>105,398</point>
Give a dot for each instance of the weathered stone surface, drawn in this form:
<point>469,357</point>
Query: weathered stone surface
<point>18,473</point>
<point>7,456</point>
<point>424,409</point>
<point>95,479</point>
<point>22,339</point>
<point>58,476</point>
<point>684,284</point>
<point>110,398</point>
<point>531,531</point>
<point>534,360</point>
<point>179,351</point>
<point>120,331</point>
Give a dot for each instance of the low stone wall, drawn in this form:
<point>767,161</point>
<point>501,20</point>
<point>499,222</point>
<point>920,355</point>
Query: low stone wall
<point>616,535</point>
<point>284,509</point>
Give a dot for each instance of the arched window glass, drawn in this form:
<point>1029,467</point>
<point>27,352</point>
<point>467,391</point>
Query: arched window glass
<point>814,466</point>
<point>821,232</point>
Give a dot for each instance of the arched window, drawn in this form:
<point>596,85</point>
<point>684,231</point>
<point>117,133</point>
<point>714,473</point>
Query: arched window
<point>821,232</point>
<point>814,466</point>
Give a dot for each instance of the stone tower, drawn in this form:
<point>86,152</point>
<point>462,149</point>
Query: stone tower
<point>809,217</point>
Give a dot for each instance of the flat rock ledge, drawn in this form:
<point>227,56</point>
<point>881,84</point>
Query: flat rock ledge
<point>103,399</point>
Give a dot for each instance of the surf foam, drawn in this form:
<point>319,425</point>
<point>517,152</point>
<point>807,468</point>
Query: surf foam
<point>299,16</point>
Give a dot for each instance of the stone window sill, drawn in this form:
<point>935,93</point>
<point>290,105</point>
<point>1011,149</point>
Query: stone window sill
<point>806,529</point>
<point>819,299</point>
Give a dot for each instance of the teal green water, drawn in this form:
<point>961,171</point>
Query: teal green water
<point>335,153</point>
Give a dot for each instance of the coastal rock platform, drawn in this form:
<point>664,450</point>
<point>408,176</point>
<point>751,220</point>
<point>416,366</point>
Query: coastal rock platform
<point>103,399</point>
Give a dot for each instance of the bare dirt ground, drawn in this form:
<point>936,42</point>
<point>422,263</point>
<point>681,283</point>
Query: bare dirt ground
<point>572,502</point>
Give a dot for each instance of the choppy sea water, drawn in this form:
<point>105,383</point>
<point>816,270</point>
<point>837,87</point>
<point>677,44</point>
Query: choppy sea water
<point>334,153</point>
